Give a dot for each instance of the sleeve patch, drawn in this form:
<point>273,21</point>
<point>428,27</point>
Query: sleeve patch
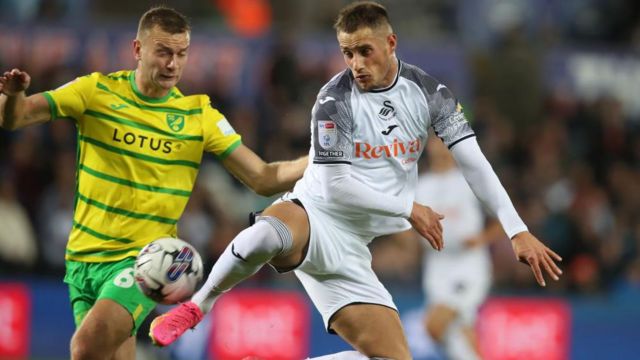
<point>225,128</point>
<point>327,134</point>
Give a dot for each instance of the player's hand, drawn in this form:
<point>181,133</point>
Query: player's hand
<point>427,223</point>
<point>531,251</point>
<point>14,81</point>
<point>474,242</point>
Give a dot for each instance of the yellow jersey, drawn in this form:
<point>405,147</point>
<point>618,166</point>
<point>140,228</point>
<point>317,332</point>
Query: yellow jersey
<point>137,161</point>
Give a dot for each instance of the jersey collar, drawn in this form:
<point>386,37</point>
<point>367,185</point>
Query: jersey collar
<point>132,81</point>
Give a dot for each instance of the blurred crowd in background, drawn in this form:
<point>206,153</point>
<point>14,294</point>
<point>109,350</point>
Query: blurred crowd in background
<point>570,160</point>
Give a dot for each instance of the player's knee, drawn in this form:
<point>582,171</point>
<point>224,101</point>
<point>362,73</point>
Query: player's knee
<point>270,237</point>
<point>82,349</point>
<point>86,345</point>
<point>435,327</point>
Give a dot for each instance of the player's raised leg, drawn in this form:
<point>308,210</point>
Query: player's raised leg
<point>343,355</point>
<point>444,326</point>
<point>279,236</point>
<point>373,330</point>
<point>105,333</point>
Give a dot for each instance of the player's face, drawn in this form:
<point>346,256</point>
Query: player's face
<point>161,59</point>
<point>370,54</point>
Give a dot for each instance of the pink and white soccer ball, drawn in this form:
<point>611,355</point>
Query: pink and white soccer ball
<point>168,270</point>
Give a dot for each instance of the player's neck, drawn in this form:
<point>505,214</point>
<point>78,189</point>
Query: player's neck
<point>147,89</point>
<point>392,74</point>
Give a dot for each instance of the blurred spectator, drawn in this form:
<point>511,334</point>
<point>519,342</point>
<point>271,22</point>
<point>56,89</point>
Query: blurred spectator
<point>55,217</point>
<point>18,249</point>
<point>198,222</point>
<point>28,168</point>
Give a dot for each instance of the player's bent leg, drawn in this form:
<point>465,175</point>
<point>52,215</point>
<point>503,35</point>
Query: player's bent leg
<point>457,345</point>
<point>103,331</point>
<point>470,335</point>
<point>437,321</point>
<point>373,330</point>
<point>458,340</point>
<point>279,236</point>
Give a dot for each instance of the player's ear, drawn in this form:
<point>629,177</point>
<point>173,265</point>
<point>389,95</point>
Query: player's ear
<point>137,49</point>
<point>392,41</point>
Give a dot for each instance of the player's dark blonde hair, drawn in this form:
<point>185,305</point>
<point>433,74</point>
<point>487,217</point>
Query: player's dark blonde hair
<point>168,19</point>
<point>360,15</point>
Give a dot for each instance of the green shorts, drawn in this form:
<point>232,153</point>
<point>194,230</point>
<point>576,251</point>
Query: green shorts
<point>90,282</point>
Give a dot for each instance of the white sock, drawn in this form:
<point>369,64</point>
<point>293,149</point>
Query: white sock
<point>243,257</point>
<point>345,355</point>
<point>456,344</point>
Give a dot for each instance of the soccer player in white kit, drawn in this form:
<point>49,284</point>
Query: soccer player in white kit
<point>456,280</point>
<point>368,128</point>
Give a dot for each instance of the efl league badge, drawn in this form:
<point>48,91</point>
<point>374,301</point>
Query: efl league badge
<point>327,134</point>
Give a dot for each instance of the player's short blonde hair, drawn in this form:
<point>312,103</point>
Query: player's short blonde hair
<point>363,14</point>
<point>168,19</point>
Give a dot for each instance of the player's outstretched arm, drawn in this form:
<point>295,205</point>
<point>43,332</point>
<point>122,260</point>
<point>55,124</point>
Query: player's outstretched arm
<point>427,223</point>
<point>531,251</point>
<point>264,178</point>
<point>486,186</point>
<point>16,109</point>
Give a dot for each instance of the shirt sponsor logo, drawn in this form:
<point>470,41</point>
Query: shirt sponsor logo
<point>395,149</point>
<point>143,141</point>
<point>327,134</point>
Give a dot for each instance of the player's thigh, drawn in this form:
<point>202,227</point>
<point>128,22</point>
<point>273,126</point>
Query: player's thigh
<point>105,328</point>
<point>374,330</point>
<point>438,318</point>
<point>118,285</point>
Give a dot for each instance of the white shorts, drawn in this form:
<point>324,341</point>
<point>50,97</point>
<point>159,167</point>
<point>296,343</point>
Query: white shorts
<point>459,280</point>
<point>337,269</point>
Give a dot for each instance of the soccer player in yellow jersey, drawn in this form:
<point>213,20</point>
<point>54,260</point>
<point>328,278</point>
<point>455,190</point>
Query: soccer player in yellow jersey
<point>140,144</point>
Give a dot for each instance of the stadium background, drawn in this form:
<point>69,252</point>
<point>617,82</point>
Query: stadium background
<point>550,87</point>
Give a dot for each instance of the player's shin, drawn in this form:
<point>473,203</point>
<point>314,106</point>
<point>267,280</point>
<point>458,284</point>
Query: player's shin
<point>245,255</point>
<point>457,345</point>
<point>346,355</point>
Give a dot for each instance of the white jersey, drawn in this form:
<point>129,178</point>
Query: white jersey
<point>455,276</point>
<point>449,194</point>
<point>381,133</point>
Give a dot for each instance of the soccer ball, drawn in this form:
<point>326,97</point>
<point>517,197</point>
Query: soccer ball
<point>168,270</point>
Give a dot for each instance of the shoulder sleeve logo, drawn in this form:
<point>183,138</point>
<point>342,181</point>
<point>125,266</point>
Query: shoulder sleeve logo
<point>327,134</point>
